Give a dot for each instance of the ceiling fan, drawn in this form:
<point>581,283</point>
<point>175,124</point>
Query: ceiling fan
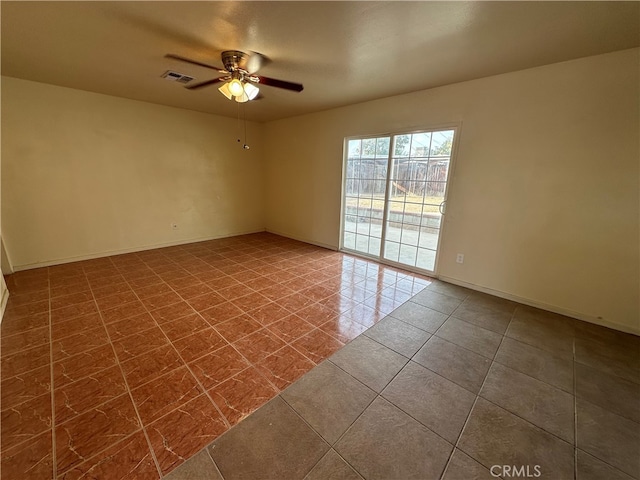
<point>240,77</point>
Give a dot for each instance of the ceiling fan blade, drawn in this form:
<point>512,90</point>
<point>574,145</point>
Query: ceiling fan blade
<point>254,62</point>
<point>205,84</point>
<point>188,60</point>
<point>272,82</point>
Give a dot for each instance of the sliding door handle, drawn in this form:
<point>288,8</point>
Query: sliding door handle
<point>442,207</point>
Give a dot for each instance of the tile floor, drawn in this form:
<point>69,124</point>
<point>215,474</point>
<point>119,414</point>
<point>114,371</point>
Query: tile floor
<point>125,367</point>
<point>135,362</point>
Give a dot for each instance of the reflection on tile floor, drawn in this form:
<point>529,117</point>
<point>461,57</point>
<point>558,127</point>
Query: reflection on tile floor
<point>137,366</point>
<point>130,364</point>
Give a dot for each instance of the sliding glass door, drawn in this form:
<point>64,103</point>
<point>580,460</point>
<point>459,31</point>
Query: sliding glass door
<point>394,196</point>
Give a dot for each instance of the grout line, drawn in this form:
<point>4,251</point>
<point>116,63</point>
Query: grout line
<point>575,412</point>
<point>466,422</point>
<point>142,426</point>
<point>54,459</point>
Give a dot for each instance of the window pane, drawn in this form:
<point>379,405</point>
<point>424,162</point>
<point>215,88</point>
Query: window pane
<point>441,143</point>
<point>426,259</point>
<point>408,254</point>
<point>402,144</point>
<point>354,148</point>
<point>392,250</point>
<point>382,147</point>
<point>420,143</point>
<point>374,246</point>
<point>349,240</point>
<point>368,147</point>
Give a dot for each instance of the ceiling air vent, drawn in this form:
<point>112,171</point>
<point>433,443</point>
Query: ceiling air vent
<point>176,77</point>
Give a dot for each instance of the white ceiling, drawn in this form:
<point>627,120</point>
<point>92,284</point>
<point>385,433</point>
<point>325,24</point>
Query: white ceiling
<point>343,52</point>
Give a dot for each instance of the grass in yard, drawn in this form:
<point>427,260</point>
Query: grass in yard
<point>413,205</point>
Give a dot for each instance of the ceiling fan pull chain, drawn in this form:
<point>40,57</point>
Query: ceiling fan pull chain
<point>244,117</point>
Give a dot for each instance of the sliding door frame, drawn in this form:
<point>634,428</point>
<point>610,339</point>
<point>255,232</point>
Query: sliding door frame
<point>457,128</point>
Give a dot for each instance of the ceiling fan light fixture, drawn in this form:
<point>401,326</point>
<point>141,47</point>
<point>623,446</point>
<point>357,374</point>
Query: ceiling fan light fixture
<point>224,89</point>
<point>235,87</point>
<point>251,91</point>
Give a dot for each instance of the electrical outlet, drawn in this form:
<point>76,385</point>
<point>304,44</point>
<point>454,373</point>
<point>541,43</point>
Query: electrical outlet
<point>460,258</point>
<point>174,226</point>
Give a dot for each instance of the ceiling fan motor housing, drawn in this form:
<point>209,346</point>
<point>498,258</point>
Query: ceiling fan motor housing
<point>234,60</point>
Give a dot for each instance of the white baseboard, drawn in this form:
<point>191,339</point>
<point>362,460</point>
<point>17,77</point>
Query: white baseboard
<point>543,306</point>
<point>305,240</point>
<point>143,248</point>
<point>3,303</point>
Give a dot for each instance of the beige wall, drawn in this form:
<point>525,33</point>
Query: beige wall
<point>85,175</point>
<point>543,201</point>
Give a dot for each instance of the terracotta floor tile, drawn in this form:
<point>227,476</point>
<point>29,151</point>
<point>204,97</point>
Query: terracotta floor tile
<point>290,328</point>
<point>145,281</point>
<point>128,459</point>
<point>220,281</point>
<point>75,398</point>
<point>73,311</point>
<point>182,282</point>
<point>239,396</point>
<point>251,301</point>
<point>12,344</point>
<point>192,299</point>
<point>318,292</point>
<point>124,311</point>
<point>317,314</point>
<point>80,342</point>
<point>364,315</point>
<point>88,434</point>
<point>296,283</point>
<point>76,325</point>
<point>193,291</point>
<point>24,421</point>
<point>269,313</point>
<point>164,394</point>
<point>281,277</point>
<point>339,302</point>
<point>100,281</point>
<point>162,300</point>
<point>24,361</point>
<point>238,327</point>
<point>285,366</point>
<point>71,299</point>
<point>120,298</point>
<point>27,309</point>
<point>235,291</point>
<point>199,344</point>
<point>139,343</point>
<point>123,328</point>
<point>259,283</point>
<point>221,313</point>
<point>218,366</point>
<point>258,345</point>
<point>31,460</point>
<point>172,312</point>
<point>343,329</point>
<point>243,275</point>
<point>11,326</point>
<point>17,300</point>
<point>185,326</point>
<point>317,345</point>
<point>183,432</point>
<point>111,290</point>
<point>151,365</point>
<point>384,305</point>
<point>82,365</point>
<point>24,387</point>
